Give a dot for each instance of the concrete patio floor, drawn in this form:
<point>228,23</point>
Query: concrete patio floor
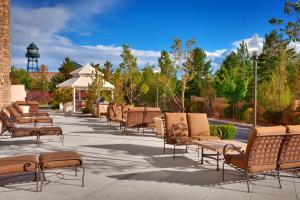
<point>132,167</point>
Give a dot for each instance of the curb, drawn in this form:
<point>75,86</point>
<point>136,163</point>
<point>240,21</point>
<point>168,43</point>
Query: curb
<point>231,122</point>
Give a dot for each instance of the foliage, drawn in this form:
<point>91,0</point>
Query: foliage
<point>202,70</point>
<point>183,60</point>
<point>55,80</point>
<point>228,131</point>
<point>95,90</point>
<point>167,79</point>
<point>55,105</point>
<point>107,71</point>
<point>118,83</point>
<point>150,79</point>
<point>295,85</point>
<point>291,25</point>
<point>131,77</point>
<point>66,68</point>
<point>274,95</point>
<point>233,80</point>
<point>21,76</point>
<point>194,106</point>
<point>41,96</point>
<point>63,95</point>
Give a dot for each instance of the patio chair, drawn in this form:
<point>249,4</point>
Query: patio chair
<point>176,131</point>
<point>261,156</point>
<point>199,127</point>
<point>19,166</point>
<point>290,154</point>
<point>33,105</point>
<point>17,117</point>
<point>20,110</point>
<point>134,118</point>
<point>114,114</point>
<point>149,114</point>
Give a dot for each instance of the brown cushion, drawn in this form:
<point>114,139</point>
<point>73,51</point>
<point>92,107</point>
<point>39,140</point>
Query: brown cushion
<point>24,120</point>
<point>198,124</point>
<point>290,165</point>
<point>6,121</point>
<point>180,140</point>
<point>44,120</point>
<point>205,138</point>
<point>264,131</point>
<point>18,108</point>
<point>18,164</point>
<point>176,122</point>
<point>293,129</point>
<point>153,109</point>
<point>60,159</point>
<point>50,131</point>
<point>13,111</point>
<point>24,132</point>
<point>136,109</point>
<point>237,160</point>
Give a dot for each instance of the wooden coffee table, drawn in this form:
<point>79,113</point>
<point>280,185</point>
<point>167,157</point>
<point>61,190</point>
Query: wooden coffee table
<point>217,146</point>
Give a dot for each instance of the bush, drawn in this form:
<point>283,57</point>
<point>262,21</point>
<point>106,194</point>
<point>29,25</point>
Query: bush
<point>55,105</point>
<point>273,117</point>
<point>228,131</point>
<point>86,111</point>
<point>196,107</point>
<point>40,96</point>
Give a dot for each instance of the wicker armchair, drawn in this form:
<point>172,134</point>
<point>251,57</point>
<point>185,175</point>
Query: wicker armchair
<point>263,148</point>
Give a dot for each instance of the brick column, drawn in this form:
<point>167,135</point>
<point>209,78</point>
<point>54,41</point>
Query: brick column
<point>5,54</point>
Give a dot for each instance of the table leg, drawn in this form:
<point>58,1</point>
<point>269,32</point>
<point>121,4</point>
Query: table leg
<point>202,153</point>
<point>217,161</point>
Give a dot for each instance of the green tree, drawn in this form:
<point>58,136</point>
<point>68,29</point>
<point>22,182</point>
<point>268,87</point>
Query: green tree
<point>274,94</point>
<point>233,80</point>
<point>95,90</point>
<point>107,71</point>
<point>183,60</point>
<point>151,80</point>
<point>131,76</point>
<point>289,26</point>
<point>118,84</point>
<point>63,95</point>
<point>21,76</point>
<point>66,68</point>
<point>202,70</point>
<point>167,79</point>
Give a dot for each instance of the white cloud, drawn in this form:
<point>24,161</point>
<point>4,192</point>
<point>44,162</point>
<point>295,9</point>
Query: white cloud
<point>43,26</point>
<point>255,43</point>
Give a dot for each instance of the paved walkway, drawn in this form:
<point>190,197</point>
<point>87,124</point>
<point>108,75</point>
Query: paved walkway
<point>132,167</point>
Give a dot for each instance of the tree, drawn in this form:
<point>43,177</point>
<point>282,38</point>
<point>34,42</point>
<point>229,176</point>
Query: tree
<point>151,81</point>
<point>21,76</point>
<point>63,95</point>
<point>274,94</point>
<point>291,25</point>
<point>167,79</point>
<point>95,89</point>
<point>66,68</point>
<point>202,70</point>
<point>183,58</point>
<point>118,84</point>
<point>295,87</point>
<point>233,80</point>
<point>107,71</point>
<point>131,76</point>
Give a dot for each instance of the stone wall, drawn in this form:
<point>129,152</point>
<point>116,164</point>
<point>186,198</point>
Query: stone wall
<point>5,54</point>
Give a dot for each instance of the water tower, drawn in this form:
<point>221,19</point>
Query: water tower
<point>32,58</point>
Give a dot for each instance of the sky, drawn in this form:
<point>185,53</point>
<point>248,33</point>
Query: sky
<point>95,30</point>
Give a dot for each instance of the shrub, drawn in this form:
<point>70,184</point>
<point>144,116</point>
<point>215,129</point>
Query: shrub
<point>273,117</point>
<point>86,110</point>
<point>194,106</point>
<point>228,112</point>
<point>228,131</point>
<point>55,105</point>
<point>41,96</point>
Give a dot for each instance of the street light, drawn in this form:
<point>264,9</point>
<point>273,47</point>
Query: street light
<point>254,58</point>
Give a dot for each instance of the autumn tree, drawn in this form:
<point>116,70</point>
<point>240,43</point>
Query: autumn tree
<point>107,71</point>
<point>21,76</point>
<point>183,61</point>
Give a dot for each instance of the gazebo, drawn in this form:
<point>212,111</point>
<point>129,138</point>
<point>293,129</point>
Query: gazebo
<point>82,78</point>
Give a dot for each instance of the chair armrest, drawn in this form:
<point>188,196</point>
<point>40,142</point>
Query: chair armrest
<point>232,147</point>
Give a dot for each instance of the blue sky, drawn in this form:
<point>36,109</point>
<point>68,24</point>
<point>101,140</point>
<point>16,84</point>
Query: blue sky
<point>94,30</point>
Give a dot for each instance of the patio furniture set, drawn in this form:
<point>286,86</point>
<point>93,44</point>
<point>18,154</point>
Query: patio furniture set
<point>13,120</point>
<point>269,150</point>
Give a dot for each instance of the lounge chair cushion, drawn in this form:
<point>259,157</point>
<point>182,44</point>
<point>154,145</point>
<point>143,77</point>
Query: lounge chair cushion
<point>18,164</point>
<point>237,160</point>
<point>24,132</point>
<point>25,120</point>
<point>264,131</point>
<point>44,120</point>
<point>176,122</point>
<point>7,122</point>
<point>198,124</point>
<point>61,159</point>
<point>50,131</point>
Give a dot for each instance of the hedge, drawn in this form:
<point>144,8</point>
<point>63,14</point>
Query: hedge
<point>228,131</point>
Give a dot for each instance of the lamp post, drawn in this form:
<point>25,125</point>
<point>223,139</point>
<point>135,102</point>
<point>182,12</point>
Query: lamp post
<point>254,58</point>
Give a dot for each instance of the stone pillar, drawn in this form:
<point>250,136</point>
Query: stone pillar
<point>5,54</point>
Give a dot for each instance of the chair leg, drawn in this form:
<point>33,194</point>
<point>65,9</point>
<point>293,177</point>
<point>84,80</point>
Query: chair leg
<point>174,152</point>
<point>278,176</point>
<point>82,179</point>
<point>186,148</point>
<point>76,173</point>
<point>223,173</point>
<point>62,137</point>
<point>164,149</point>
<point>248,181</point>
<point>41,179</point>
<point>37,179</point>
